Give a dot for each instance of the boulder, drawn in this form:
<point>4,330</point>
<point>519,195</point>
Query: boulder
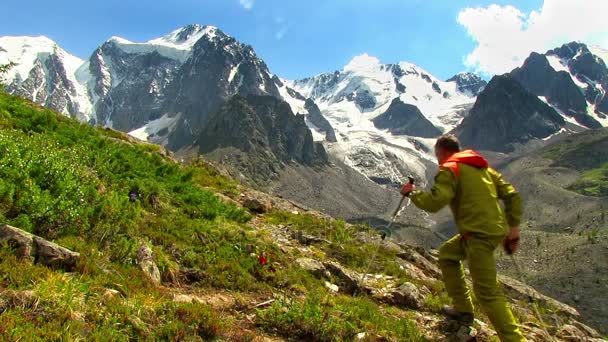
<point>313,266</point>
<point>306,239</point>
<point>53,255</point>
<point>147,264</point>
<point>30,246</point>
<point>348,280</point>
<point>409,254</point>
<point>406,296</point>
<point>257,205</point>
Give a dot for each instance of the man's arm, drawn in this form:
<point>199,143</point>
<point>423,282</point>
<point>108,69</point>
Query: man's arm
<point>507,193</point>
<point>513,207</point>
<point>440,195</point>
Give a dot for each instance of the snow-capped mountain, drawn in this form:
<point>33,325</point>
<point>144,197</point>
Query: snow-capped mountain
<point>380,119</point>
<point>46,74</point>
<point>572,79</point>
<point>376,111</point>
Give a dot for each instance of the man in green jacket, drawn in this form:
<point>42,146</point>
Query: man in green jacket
<point>473,189</point>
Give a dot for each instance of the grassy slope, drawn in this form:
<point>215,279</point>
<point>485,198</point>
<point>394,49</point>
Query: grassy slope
<point>70,183</point>
<point>586,152</point>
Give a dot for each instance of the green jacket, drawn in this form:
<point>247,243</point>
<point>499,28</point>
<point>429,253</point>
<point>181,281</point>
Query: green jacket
<point>472,189</point>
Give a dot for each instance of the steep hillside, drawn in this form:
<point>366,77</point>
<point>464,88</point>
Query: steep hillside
<point>565,249</point>
<point>160,256</point>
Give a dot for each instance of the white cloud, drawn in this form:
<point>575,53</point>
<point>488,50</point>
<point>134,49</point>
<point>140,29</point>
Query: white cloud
<point>247,4</point>
<point>505,35</point>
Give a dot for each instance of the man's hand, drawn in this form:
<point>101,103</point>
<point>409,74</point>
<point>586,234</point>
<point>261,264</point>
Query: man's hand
<point>511,243</point>
<point>407,189</point>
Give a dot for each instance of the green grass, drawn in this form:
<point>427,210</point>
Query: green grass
<point>70,183</point>
<point>322,317</point>
<point>587,153</point>
<point>593,182</point>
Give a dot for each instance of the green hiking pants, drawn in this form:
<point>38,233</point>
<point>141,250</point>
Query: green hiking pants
<point>479,251</point>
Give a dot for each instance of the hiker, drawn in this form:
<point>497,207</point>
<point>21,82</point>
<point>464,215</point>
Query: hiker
<point>472,188</point>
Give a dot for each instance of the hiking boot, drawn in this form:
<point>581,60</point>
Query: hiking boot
<point>465,318</point>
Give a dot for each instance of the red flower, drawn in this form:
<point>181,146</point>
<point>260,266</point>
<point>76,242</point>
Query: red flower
<point>263,260</point>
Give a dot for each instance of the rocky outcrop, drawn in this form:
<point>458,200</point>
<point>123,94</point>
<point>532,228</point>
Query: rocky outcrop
<point>317,119</point>
<point>518,290</point>
<point>256,205</point>
<point>265,132</point>
<point>41,251</point>
<point>406,119</point>
<point>407,295</point>
<point>468,83</point>
<point>314,267</point>
<point>541,79</point>
<point>146,262</point>
<point>506,114</point>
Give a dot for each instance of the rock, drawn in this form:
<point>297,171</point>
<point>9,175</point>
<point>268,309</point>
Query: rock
<point>332,287</point>
<point>518,290</point>
<point>53,255</point>
<point>110,293</point>
<point>420,261</point>
<point>42,251</point>
<point>313,266</point>
<point>18,239</point>
<point>413,271</point>
<point>406,296</point>
<point>587,330</point>
<point>465,334</point>
<point>147,264</point>
<point>533,332</point>
<point>257,205</point>
<point>571,333</point>
<point>191,275</point>
<point>349,280</point>
<point>306,239</point>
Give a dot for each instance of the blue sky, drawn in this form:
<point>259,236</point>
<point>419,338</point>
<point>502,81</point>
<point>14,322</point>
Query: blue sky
<point>303,38</point>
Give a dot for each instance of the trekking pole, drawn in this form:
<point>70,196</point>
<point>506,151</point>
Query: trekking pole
<point>520,275</point>
<point>387,231</point>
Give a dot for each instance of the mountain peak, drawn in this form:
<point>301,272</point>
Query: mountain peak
<point>468,83</point>
<point>38,43</point>
<point>184,38</point>
<point>25,50</point>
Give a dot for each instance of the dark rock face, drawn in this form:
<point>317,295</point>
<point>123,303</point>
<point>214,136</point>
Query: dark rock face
<point>536,74</point>
<point>317,119</point>
<point>265,129</point>
<point>399,87</point>
<point>406,119</point>
<point>505,114</point>
<point>203,83</point>
<point>538,77</point>
<point>468,83</point>
<point>133,92</point>
<point>569,50</point>
<point>436,88</point>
